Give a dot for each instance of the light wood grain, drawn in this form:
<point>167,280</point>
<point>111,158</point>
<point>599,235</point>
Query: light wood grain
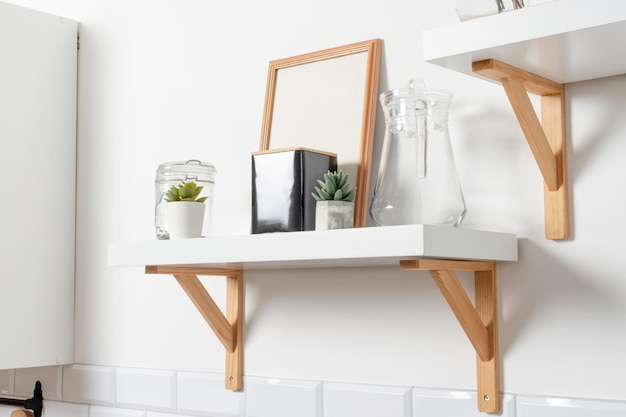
<point>556,201</point>
<point>229,327</point>
<point>488,371</point>
<point>479,323</point>
<point>547,139</point>
<point>234,315</point>
<point>189,270</point>
<point>208,309</point>
<point>429,264</point>
<point>533,83</point>
<point>463,309</point>
<point>535,136</point>
<point>21,413</point>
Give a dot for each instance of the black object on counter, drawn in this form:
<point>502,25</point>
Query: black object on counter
<point>282,183</point>
<point>35,403</point>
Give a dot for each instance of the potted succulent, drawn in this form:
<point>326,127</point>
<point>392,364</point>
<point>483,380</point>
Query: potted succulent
<point>334,207</point>
<point>185,210</point>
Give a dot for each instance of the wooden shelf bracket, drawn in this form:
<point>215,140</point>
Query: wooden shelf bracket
<point>546,138</point>
<point>229,327</point>
<point>480,322</point>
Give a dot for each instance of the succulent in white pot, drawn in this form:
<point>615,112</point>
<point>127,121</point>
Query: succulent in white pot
<point>185,210</point>
<point>334,208</point>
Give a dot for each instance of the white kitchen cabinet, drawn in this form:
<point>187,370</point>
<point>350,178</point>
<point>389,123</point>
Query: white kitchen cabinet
<point>38,86</point>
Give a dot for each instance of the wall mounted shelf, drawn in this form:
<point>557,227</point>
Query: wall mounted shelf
<point>546,138</point>
<point>440,250</point>
<point>565,41</point>
<point>538,50</point>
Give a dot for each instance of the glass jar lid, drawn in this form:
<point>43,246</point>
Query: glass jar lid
<point>191,170</point>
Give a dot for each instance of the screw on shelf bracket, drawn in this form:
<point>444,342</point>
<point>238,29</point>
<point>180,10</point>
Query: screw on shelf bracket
<point>35,403</point>
<point>480,323</point>
<point>546,138</point>
<point>228,328</point>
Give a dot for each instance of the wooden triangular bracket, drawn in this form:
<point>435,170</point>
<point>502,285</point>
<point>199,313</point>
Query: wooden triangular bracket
<point>228,328</point>
<point>480,322</point>
<point>546,138</point>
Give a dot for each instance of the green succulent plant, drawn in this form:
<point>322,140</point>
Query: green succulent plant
<point>185,191</point>
<point>335,186</point>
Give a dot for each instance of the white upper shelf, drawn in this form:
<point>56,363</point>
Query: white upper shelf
<point>565,40</point>
<point>371,246</point>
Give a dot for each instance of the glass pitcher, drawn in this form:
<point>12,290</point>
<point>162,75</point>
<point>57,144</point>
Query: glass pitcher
<point>417,181</point>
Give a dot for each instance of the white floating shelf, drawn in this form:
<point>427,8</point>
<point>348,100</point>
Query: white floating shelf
<point>371,246</point>
<point>565,40</point>
<point>438,249</point>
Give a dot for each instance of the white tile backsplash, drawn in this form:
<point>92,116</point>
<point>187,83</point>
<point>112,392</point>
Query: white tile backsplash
<point>7,381</point>
<point>102,391</point>
<point>272,397</point>
<point>453,403</point>
<point>60,409</point>
<point>53,409</point>
<point>145,388</point>
<point>157,414</point>
<point>567,407</point>
<point>89,384</point>
<point>100,411</point>
<point>345,400</point>
<point>51,378</point>
<point>204,394</point>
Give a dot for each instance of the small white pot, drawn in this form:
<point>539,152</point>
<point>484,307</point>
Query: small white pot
<point>334,215</point>
<point>185,219</point>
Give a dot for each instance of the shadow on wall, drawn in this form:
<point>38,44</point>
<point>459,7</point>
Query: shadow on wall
<point>551,294</point>
<point>362,294</point>
<point>602,93</point>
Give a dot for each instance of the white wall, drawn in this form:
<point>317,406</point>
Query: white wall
<point>171,80</point>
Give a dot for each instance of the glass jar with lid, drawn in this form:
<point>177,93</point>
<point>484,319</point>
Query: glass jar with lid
<point>173,173</point>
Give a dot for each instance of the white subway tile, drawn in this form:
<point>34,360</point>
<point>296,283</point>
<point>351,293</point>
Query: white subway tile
<point>89,384</point>
<point>51,378</point>
<point>271,397</point>
<point>157,414</point>
<point>146,389</point>
<point>7,381</point>
<point>567,407</point>
<point>341,400</point>
<point>100,411</point>
<point>204,394</point>
<point>59,409</point>
<point>102,391</point>
<point>441,402</point>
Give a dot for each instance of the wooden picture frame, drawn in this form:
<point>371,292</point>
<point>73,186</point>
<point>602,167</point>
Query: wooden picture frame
<point>326,100</point>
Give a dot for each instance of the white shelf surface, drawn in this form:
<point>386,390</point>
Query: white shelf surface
<point>371,246</point>
<point>565,40</point>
